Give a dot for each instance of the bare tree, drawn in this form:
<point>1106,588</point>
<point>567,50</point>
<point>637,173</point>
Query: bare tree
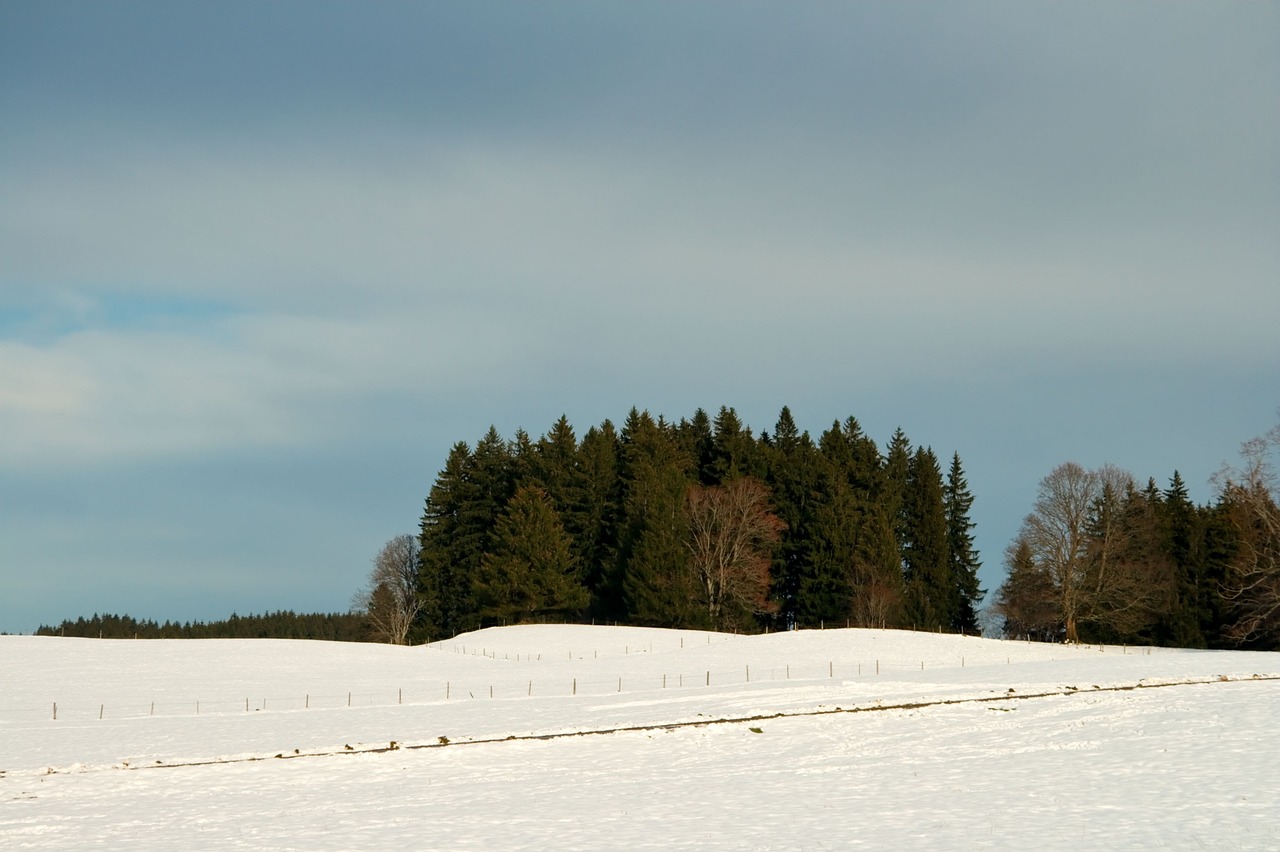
<point>1250,494</point>
<point>390,600</point>
<point>1056,533</point>
<point>1082,555</point>
<point>732,534</point>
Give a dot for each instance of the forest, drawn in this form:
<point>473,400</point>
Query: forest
<point>696,523</point>
<point>700,523</point>
<point>284,624</point>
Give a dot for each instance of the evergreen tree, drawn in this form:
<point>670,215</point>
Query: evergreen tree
<point>449,548</point>
<point>657,584</point>
<point>530,570</point>
<point>893,486</point>
<point>856,572</point>
<point>696,443</point>
<point>1180,540</point>
<point>792,464</point>
<point>963,558</point>
<point>930,587</point>
<point>1027,600</point>
<point>597,514</point>
<point>734,452</point>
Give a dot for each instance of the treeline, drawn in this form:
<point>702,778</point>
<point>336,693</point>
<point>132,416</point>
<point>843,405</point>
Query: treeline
<point>1100,559</point>
<point>698,524</point>
<point>340,627</point>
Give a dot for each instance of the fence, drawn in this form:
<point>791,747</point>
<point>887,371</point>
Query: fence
<point>503,689</point>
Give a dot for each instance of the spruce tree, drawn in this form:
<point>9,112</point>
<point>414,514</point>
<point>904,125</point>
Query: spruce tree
<point>449,550</point>
<point>793,469</point>
<point>530,570</point>
<point>931,597</point>
<point>963,557</point>
<point>657,585</point>
<point>597,519</point>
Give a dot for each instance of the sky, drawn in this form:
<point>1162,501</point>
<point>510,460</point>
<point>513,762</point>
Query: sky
<point>262,264</point>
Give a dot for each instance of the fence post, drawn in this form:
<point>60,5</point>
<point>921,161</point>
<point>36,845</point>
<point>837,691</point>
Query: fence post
<point>348,699</point>
<point>100,706</point>
<point>708,677</point>
<point>575,686</point>
<point>748,674</point>
<point>831,669</point>
<point>400,695</point>
<point>55,711</point>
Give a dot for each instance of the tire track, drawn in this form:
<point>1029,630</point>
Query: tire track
<point>445,742</point>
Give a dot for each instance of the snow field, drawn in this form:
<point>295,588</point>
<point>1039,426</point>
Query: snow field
<point>1186,766</point>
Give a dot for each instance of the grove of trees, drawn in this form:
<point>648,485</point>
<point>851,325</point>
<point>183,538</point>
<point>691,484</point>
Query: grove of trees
<point>1099,559</point>
<point>697,523</point>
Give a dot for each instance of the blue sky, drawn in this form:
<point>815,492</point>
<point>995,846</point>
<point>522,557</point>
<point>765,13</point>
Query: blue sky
<point>262,264</point>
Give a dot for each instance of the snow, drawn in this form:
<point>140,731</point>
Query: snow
<point>835,739</point>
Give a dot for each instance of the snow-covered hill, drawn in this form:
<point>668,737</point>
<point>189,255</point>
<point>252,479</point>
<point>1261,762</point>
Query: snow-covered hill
<point>812,740</point>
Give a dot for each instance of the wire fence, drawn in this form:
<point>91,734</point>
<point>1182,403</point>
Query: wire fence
<point>505,687</point>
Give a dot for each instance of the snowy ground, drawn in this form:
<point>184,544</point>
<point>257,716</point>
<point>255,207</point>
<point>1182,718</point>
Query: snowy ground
<point>838,739</point>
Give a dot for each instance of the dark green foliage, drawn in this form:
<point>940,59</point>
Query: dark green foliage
<point>530,569</point>
<point>621,498</point>
<point>451,546</point>
<point>285,624</point>
<point>931,601</point>
<point>964,559</point>
<point>1178,562</point>
<point>793,473</point>
<point>657,585</point>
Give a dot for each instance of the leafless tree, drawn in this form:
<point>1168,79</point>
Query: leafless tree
<point>1082,555</point>
<point>732,534</point>
<point>1250,493</point>
<point>390,600</point>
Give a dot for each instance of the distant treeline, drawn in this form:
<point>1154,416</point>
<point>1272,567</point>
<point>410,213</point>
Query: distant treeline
<point>285,624</point>
<point>699,523</point>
